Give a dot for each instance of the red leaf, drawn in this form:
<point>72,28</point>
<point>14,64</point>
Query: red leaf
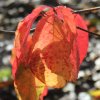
<point>23,39</point>
<point>80,46</point>
<point>27,86</point>
<point>53,54</point>
<point>44,93</point>
<point>82,38</point>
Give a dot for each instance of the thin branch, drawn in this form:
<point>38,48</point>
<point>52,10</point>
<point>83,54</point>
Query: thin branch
<point>80,29</point>
<point>7,31</point>
<point>87,31</point>
<point>5,84</point>
<point>87,10</point>
<point>12,32</point>
<point>92,33</point>
<point>33,29</point>
<point>75,11</point>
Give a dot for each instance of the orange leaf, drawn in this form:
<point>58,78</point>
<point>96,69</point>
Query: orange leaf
<point>53,44</point>
<point>51,57</point>
<point>28,87</point>
<point>82,38</point>
<point>80,46</point>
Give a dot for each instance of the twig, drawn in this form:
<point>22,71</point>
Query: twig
<point>12,32</point>
<point>33,29</point>
<point>5,84</point>
<point>87,31</point>
<point>80,29</point>
<point>87,10</point>
<point>7,31</point>
<point>75,11</point>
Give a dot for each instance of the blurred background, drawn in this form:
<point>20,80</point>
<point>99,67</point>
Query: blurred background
<point>87,86</point>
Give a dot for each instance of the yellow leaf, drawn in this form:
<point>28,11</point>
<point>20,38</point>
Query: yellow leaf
<point>27,86</point>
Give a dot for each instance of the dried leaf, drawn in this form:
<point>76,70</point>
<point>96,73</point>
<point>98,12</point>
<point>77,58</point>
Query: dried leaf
<point>80,47</point>
<point>28,87</point>
<point>52,56</point>
<point>54,43</point>
<point>82,38</point>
